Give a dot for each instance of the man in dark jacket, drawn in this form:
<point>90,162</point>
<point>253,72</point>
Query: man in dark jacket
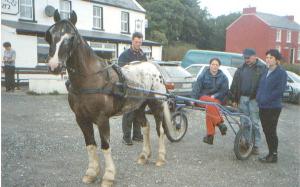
<point>243,90</point>
<point>134,53</point>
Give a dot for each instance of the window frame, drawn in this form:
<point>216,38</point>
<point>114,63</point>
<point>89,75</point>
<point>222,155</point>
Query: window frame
<point>98,17</point>
<point>288,36</point>
<point>63,11</point>
<point>123,21</point>
<point>278,35</point>
<point>23,18</point>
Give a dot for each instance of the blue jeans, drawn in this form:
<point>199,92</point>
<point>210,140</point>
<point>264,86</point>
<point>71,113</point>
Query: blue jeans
<point>250,108</point>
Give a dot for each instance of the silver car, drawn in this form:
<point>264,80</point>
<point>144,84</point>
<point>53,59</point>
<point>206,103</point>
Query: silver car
<point>178,81</point>
<point>292,93</point>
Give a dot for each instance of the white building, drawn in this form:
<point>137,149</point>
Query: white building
<point>107,25</point>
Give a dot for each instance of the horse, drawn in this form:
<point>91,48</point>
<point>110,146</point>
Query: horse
<point>93,95</point>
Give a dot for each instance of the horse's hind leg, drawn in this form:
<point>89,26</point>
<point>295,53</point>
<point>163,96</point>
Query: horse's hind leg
<point>93,166</point>
<point>110,171</point>
<point>146,152</point>
<point>157,110</point>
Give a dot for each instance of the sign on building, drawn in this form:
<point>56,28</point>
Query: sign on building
<point>10,6</point>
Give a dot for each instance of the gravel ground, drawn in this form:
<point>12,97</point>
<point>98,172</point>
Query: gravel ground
<point>43,146</point>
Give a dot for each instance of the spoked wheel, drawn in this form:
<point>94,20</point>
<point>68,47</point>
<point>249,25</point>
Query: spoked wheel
<point>178,127</point>
<point>243,143</point>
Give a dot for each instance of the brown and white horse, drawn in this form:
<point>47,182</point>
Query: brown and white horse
<point>93,101</point>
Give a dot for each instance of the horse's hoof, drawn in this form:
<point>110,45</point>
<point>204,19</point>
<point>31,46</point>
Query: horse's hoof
<point>88,179</point>
<point>107,183</point>
<point>91,175</point>
<point>160,163</point>
<point>142,160</point>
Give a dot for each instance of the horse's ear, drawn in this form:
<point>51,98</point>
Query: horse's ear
<point>73,17</point>
<point>56,16</point>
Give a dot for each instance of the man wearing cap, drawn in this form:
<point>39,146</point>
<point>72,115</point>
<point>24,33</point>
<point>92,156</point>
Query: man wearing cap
<point>243,91</point>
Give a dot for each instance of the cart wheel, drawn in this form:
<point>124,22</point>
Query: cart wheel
<point>242,145</point>
<point>178,127</point>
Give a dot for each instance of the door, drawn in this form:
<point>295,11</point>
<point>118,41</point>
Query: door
<point>292,56</point>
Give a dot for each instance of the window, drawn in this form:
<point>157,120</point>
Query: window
<point>26,9</point>
<point>298,37</point>
<point>288,36</point>
<point>278,47</point>
<point>278,36</point>
<point>298,51</point>
<point>125,22</point>
<point>98,17</point>
<point>65,9</point>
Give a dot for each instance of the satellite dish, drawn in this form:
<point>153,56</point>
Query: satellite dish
<point>49,10</point>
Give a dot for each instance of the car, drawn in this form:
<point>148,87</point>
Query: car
<point>197,69</point>
<point>203,57</point>
<point>292,93</point>
<point>178,81</point>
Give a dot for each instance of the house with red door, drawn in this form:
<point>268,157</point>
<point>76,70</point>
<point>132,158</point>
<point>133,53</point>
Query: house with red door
<point>263,31</point>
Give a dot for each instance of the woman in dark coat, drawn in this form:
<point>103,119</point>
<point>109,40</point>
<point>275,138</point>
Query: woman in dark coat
<point>268,97</point>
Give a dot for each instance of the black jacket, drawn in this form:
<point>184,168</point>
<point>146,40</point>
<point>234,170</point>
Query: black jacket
<point>235,89</point>
<point>130,55</point>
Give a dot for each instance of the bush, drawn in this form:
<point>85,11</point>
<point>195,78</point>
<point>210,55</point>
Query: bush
<point>176,51</point>
<point>292,67</point>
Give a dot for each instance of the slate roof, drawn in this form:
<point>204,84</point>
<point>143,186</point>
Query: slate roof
<point>278,21</point>
<point>36,29</point>
<point>127,4</point>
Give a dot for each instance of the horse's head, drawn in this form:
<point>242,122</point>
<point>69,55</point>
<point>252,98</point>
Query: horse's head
<point>63,39</point>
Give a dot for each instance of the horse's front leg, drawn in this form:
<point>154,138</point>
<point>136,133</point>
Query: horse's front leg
<point>110,171</point>
<point>161,159</point>
<point>93,167</point>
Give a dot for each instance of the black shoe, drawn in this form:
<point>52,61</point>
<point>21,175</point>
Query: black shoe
<point>137,138</point>
<point>223,129</point>
<point>127,141</point>
<point>209,139</point>
<point>270,158</point>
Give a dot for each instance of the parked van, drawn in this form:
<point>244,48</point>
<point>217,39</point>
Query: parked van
<point>204,56</point>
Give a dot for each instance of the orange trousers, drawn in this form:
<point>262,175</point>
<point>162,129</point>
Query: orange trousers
<point>213,116</point>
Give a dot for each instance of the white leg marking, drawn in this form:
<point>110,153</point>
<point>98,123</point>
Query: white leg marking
<point>110,171</point>
<point>161,147</point>
<point>146,152</point>
<point>54,61</point>
<point>93,167</point>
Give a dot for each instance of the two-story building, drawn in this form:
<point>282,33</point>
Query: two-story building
<point>263,31</point>
<point>107,25</point>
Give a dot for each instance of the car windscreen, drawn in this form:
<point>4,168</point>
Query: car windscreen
<point>194,70</point>
<point>175,71</point>
<point>294,77</point>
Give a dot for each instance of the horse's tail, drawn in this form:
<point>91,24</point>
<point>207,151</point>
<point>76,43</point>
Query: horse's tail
<point>167,115</point>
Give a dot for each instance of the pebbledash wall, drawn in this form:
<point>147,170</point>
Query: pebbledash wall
<point>23,23</point>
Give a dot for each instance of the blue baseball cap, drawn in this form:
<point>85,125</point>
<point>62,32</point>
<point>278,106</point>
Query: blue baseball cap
<point>249,52</point>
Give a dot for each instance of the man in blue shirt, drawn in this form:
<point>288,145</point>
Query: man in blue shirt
<point>243,91</point>
<point>134,53</point>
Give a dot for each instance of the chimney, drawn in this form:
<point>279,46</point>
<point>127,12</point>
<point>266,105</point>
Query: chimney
<point>250,10</point>
<point>291,18</point>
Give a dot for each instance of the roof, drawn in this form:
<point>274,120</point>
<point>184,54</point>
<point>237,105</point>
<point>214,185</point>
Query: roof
<point>278,21</point>
<point>36,29</point>
<point>127,4</point>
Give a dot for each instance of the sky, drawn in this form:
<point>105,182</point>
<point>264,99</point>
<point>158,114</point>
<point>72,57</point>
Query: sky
<point>277,7</point>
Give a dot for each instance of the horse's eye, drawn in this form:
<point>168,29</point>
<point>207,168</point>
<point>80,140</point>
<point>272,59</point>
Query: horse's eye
<point>48,37</point>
